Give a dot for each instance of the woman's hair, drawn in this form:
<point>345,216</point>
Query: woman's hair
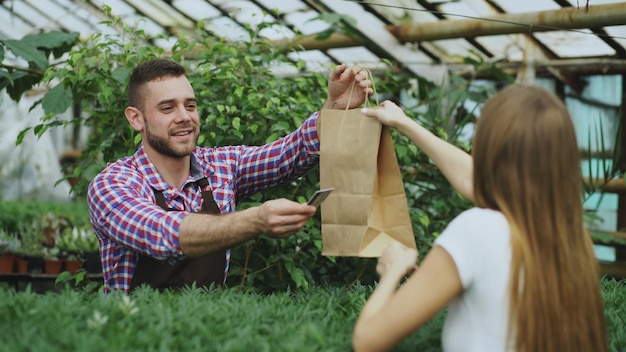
<point>150,71</point>
<point>526,165</point>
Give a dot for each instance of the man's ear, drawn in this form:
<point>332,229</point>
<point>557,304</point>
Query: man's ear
<point>134,117</point>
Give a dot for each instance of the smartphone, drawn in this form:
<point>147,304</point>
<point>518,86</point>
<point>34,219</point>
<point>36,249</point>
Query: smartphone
<point>319,196</point>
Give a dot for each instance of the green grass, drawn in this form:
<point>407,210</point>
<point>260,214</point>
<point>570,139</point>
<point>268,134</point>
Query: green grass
<point>320,319</point>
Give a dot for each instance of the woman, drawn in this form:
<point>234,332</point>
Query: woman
<point>518,271</point>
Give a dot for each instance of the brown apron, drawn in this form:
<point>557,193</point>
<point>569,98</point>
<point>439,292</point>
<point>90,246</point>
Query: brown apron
<point>162,274</point>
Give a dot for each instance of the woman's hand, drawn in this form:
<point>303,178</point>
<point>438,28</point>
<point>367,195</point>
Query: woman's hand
<point>388,114</point>
<point>396,260</point>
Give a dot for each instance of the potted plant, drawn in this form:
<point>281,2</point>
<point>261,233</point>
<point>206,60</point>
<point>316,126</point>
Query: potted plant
<point>31,246</point>
<point>51,226</point>
<point>52,263</point>
<point>68,244</point>
<point>80,245</point>
<point>9,244</point>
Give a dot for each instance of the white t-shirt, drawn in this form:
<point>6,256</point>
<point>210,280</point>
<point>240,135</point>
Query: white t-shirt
<point>478,240</point>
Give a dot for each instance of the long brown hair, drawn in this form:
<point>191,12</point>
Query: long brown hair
<point>526,165</point>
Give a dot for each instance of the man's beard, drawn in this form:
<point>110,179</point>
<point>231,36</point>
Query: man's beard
<point>163,146</point>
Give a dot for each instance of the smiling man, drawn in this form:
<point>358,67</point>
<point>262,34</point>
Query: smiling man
<point>165,217</point>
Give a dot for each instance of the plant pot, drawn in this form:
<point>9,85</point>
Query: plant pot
<point>21,264</point>
<point>52,266</point>
<point>73,265</point>
<point>7,263</point>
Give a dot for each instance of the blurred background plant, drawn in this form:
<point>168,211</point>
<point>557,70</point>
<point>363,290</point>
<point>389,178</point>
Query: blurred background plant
<point>77,241</point>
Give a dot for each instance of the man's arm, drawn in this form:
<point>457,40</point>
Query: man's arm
<point>202,234</point>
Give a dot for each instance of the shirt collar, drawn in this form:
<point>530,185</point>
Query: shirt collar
<point>147,168</point>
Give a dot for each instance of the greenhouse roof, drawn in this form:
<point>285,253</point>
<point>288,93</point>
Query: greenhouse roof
<point>561,38</point>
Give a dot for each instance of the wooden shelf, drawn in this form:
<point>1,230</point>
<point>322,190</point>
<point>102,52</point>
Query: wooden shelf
<point>613,270</point>
<point>615,185</point>
<point>15,279</point>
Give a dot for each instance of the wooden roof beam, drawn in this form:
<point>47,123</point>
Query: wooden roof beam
<point>542,21</point>
<point>512,23</point>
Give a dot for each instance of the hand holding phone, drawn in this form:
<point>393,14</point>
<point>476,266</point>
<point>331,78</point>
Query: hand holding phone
<point>319,196</point>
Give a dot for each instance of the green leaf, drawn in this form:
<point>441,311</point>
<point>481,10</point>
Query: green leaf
<point>121,74</point>
<point>272,137</point>
<point>63,276</point>
<point>50,40</point>
<point>6,74</point>
<point>22,82</point>
<point>236,123</point>
<point>20,136</point>
<point>57,100</point>
<point>4,83</point>
<point>27,52</point>
<point>40,129</point>
<point>297,275</point>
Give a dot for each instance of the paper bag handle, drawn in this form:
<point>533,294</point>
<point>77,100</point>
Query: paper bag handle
<point>371,77</point>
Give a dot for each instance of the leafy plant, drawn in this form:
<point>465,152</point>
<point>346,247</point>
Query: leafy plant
<point>9,242</point>
<point>78,281</point>
<point>317,319</point>
<point>35,50</point>
<point>78,240</point>
<point>605,169</point>
<point>15,213</point>
<point>31,239</point>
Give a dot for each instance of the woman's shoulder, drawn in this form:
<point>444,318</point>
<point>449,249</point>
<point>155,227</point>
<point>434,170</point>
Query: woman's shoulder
<point>479,217</point>
<point>475,227</point>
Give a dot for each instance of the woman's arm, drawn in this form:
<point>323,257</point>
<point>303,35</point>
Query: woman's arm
<point>455,164</point>
<point>390,315</point>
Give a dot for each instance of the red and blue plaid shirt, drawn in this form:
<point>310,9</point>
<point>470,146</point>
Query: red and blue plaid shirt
<point>127,221</point>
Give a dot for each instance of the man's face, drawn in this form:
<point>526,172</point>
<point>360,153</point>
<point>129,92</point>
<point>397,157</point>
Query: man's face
<point>170,116</point>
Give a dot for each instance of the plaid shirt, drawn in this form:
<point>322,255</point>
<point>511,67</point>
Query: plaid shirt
<point>127,221</point>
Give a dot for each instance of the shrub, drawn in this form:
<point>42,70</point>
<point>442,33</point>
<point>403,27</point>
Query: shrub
<point>317,319</point>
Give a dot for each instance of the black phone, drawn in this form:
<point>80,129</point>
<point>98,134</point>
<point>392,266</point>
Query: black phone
<point>319,196</point>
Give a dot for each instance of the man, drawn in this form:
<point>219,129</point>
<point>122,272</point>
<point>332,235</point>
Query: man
<point>165,216</point>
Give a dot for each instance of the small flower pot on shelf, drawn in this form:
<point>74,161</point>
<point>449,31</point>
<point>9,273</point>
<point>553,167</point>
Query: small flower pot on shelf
<point>73,264</point>
<point>52,266</point>
<point>7,263</point>
<point>21,264</point>
<point>9,245</point>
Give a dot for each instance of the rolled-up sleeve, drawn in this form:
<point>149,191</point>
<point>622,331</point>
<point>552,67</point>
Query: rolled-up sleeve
<point>275,163</point>
<point>122,212</point>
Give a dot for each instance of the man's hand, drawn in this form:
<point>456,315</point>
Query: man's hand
<point>281,218</point>
<point>202,234</point>
<point>340,90</point>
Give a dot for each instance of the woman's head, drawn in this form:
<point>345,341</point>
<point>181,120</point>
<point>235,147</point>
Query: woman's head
<point>525,151</point>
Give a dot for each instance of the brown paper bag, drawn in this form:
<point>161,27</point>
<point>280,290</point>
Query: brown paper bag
<point>368,208</point>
